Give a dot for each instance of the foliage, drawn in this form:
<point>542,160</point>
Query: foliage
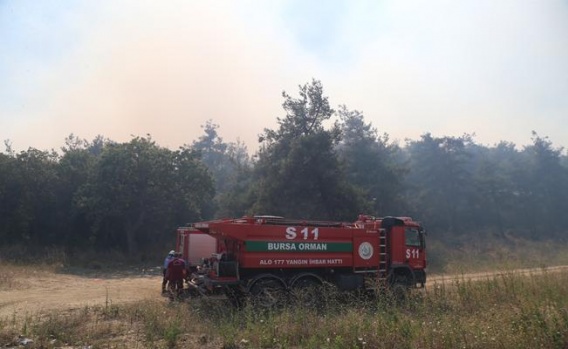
<point>371,163</point>
<point>137,189</point>
<point>298,172</point>
<point>440,180</point>
<point>101,194</point>
<point>546,189</point>
<point>230,167</point>
<point>28,197</point>
<point>318,163</point>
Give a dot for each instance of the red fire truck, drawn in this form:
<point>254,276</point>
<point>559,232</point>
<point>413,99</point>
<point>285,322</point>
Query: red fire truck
<point>268,258</point>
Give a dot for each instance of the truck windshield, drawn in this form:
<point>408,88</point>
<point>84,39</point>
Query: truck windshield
<point>413,237</point>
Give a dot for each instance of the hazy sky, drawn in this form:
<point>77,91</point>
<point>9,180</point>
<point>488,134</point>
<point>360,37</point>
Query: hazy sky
<point>116,68</point>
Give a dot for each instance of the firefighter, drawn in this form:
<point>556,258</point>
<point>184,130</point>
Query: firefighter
<point>167,261</point>
<point>175,275</point>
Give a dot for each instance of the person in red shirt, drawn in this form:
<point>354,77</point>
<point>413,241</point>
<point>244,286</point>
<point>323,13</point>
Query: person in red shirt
<point>175,274</point>
<point>167,261</point>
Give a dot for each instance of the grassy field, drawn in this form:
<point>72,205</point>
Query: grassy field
<point>504,311</point>
<point>489,255</point>
<point>507,311</point>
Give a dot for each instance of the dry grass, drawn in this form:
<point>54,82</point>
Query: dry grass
<point>506,311</point>
<point>9,277</point>
<point>12,276</point>
<point>491,255</point>
<point>142,325</point>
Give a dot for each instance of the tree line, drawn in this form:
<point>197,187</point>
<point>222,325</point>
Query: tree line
<point>318,163</point>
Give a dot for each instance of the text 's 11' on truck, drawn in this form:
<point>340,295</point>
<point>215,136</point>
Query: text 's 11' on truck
<point>268,258</point>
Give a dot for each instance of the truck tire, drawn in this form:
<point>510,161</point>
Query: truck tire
<point>307,292</point>
<point>268,293</point>
<point>400,289</point>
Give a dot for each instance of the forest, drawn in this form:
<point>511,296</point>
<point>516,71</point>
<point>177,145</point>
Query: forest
<point>318,163</point>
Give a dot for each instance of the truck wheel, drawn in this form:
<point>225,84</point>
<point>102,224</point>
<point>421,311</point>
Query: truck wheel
<point>400,289</point>
<point>307,292</point>
<point>268,293</point>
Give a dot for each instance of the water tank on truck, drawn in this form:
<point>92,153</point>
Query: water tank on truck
<point>271,260</point>
<point>194,245</point>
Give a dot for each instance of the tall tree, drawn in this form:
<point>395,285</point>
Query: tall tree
<point>214,155</point>
<point>9,198</point>
<point>495,174</point>
<point>139,190</point>
<point>75,166</point>
<point>298,172</point>
<point>545,204</point>
<point>28,197</point>
<point>371,163</point>
<point>439,180</point>
<point>229,164</point>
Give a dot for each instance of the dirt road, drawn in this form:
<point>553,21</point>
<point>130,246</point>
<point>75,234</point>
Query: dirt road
<point>447,279</point>
<point>46,291</point>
